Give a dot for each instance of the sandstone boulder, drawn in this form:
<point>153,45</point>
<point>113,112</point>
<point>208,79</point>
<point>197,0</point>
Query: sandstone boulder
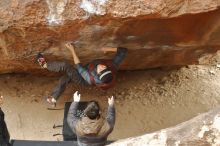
<point>203,130</point>
<point>157,33</point>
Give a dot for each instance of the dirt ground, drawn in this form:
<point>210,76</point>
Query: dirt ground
<point>146,101</point>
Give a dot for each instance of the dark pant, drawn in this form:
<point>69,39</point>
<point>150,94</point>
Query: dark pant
<point>4,143</point>
<point>4,134</point>
<point>71,75</point>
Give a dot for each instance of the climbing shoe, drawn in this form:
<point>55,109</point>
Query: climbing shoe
<point>41,60</point>
<point>51,101</point>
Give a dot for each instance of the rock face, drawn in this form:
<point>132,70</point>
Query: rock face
<point>157,33</point>
<point>203,130</point>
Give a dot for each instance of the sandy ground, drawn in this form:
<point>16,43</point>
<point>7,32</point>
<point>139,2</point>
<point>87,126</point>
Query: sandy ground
<point>146,101</point>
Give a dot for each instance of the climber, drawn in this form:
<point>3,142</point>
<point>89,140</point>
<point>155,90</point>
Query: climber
<point>4,134</point>
<point>100,72</point>
<point>91,129</point>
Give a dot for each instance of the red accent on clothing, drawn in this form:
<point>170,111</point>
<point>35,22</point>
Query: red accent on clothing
<point>109,64</point>
<point>41,61</point>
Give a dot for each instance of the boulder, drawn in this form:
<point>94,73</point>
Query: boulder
<point>157,33</point>
<point>203,130</point>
